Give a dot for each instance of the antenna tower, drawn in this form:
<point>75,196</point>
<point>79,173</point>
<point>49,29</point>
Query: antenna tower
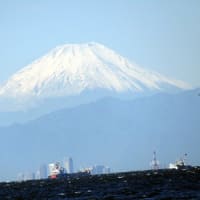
<point>155,162</point>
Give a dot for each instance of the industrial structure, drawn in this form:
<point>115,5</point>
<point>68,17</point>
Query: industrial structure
<point>154,163</point>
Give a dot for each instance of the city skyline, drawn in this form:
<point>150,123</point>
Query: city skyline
<point>50,170</point>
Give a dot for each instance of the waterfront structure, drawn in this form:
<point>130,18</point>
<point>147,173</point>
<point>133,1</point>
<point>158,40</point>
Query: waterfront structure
<point>54,168</point>
<point>179,164</point>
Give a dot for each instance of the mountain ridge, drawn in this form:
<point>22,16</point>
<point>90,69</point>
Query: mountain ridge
<point>121,133</point>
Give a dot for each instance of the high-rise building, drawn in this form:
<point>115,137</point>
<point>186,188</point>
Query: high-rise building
<point>37,175</point>
<point>20,176</point>
<point>68,165</point>
<point>107,170</point>
<point>98,169</point>
<point>43,171</point>
<point>29,176</point>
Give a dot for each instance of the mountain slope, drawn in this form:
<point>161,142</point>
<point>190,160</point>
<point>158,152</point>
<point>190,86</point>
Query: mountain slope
<point>70,70</point>
<point>121,134</point>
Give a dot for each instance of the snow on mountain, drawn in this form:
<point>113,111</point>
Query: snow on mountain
<point>71,69</point>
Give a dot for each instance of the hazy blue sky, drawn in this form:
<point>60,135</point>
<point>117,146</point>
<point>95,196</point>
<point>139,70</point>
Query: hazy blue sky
<point>160,35</point>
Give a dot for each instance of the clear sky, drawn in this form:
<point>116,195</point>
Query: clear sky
<point>160,35</point>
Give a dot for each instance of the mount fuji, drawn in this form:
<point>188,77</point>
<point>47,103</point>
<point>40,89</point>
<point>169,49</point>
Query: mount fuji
<point>43,119</point>
<point>73,74</point>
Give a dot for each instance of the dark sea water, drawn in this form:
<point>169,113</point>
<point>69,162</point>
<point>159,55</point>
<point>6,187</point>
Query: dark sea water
<point>149,185</point>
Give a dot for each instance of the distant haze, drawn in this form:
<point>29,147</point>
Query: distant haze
<point>120,134</point>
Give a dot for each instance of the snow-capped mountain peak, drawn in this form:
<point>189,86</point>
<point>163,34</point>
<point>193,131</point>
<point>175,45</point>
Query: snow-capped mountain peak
<point>72,68</point>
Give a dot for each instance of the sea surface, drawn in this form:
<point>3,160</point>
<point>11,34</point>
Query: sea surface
<point>149,185</point>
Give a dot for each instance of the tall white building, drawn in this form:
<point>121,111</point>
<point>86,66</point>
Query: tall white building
<point>68,165</point>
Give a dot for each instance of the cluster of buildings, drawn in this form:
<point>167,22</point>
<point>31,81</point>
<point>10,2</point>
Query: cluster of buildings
<point>53,169</point>
<point>97,169</point>
<point>56,168</point>
<point>67,167</point>
<point>41,173</point>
